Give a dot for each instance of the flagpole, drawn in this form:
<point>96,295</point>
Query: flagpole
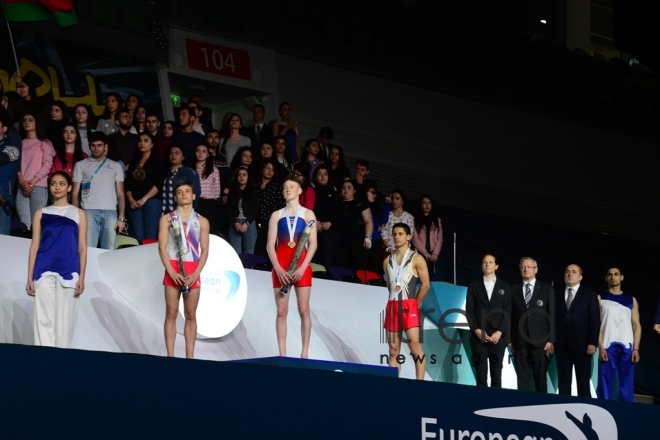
<point>11,38</point>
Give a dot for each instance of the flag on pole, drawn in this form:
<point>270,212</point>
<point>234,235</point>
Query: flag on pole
<point>59,11</point>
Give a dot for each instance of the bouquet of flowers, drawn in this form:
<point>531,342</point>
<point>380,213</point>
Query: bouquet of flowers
<point>180,251</point>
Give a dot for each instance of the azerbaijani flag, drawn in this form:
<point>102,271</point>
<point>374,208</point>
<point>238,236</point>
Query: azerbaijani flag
<point>59,11</point>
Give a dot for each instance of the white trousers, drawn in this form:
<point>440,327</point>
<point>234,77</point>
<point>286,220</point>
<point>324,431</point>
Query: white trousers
<point>55,310</point>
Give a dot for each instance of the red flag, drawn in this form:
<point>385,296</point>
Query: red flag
<point>59,11</point>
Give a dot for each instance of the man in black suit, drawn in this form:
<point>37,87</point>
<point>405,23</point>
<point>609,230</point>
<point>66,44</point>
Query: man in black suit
<point>577,321</point>
<point>488,310</point>
<point>259,131</point>
<point>532,327</point>
<point>326,134</point>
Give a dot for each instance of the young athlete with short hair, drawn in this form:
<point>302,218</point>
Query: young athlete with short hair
<point>186,232</point>
<point>403,268</point>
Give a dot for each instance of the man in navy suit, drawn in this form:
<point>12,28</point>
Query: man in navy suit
<point>488,309</point>
<point>578,325</point>
<point>532,327</point>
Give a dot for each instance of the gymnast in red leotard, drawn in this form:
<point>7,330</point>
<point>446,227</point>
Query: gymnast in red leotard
<point>284,231</point>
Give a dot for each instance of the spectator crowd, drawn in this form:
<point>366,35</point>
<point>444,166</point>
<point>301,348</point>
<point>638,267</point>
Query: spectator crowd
<point>125,164</point>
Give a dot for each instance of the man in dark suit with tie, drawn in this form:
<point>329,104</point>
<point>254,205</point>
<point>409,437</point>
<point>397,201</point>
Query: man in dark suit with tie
<point>488,310</point>
<point>532,327</point>
<point>577,322</point>
<point>258,132</point>
<point>326,134</point>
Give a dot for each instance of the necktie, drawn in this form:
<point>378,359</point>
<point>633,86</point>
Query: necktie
<point>258,130</point>
<point>569,300</point>
<point>528,294</point>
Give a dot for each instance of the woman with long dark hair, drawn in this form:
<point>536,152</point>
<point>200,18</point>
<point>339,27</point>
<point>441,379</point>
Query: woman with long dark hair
<point>56,265</point>
<point>282,155</point>
<point>169,128</point>
<point>326,207</point>
<point>243,201</point>
<point>224,125</point>
<point>82,113</point>
<point>36,161</point>
<point>177,172</point>
<point>59,117</point>
<point>242,158</point>
<point>231,143</point>
<point>270,200</point>
<point>268,154</point>
<point>143,185</point>
<point>209,180</point>
<point>131,104</point>
<point>310,154</point>
<point>107,122</point>
<point>397,215</point>
<point>139,120</point>
<point>428,233</point>
<point>68,150</point>
<point>27,89</point>
<point>337,169</point>
<point>355,230</point>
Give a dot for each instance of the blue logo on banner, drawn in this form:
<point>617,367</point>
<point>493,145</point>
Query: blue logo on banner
<point>225,285</point>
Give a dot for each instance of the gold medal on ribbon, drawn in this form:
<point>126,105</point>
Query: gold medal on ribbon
<point>291,224</point>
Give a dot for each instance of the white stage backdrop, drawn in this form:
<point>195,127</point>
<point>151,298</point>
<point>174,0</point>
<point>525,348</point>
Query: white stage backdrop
<point>122,309</point>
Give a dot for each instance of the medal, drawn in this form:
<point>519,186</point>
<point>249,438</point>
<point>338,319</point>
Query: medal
<point>291,224</point>
<point>397,270</point>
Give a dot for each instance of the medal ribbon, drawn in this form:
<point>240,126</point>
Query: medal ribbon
<point>397,269</point>
<point>292,224</point>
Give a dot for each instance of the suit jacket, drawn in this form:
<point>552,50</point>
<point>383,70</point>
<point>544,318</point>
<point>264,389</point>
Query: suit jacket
<point>322,154</point>
<point>266,134</point>
<point>580,326</point>
<point>534,325</point>
<point>478,307</point>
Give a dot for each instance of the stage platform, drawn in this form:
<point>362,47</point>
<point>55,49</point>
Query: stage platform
<point>313,364</point>
<point>116,382</point>
<point>56,393</point>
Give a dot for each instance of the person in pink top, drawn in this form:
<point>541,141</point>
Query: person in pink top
<point>36,162</point>
<point>428,233</point>
<point>68,150</point>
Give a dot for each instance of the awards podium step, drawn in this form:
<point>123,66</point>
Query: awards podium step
<point>314,364</point>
